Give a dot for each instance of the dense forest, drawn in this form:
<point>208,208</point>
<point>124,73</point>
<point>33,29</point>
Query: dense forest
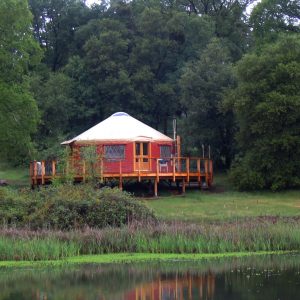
<point>231,78</point>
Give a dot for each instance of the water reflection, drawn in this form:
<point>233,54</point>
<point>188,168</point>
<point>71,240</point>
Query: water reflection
<point>266,278</point>
<point>178,287</point>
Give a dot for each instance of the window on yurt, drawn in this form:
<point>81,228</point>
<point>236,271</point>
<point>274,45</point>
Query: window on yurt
<point>114,152</point>
<point>165,151</point>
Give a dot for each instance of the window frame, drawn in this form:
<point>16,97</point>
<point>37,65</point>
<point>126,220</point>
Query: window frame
<point>161,152</point>
<point>115,158</point>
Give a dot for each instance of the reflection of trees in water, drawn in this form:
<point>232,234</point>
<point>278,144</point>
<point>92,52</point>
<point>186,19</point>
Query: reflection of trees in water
<point>175,287</point>
<point>209,279</point>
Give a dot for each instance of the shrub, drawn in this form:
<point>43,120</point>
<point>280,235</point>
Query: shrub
<point>245,178</point>
<point>68,207</point>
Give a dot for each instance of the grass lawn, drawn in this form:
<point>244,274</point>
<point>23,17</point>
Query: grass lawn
<point>223,203</point>
<point>14,176</point>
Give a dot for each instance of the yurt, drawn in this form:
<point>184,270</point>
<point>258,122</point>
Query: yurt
<point>122,138</point>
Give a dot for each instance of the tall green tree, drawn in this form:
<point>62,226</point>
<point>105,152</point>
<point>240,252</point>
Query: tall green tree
<point>272,17</point>
<point>18,52</point>
<point>203,83</point>
<point>267,107</point>
<point>230,20</point>
<point>56,108</point>
<point>55,23</point>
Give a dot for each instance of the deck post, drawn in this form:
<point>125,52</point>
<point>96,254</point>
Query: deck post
<point>120,178</point>
<point>35,172</point>
<point>155,187</point>
<point>43,172</point>
<point>210,172</point>
<point>83,171</point>
<point>178,144</point>
<point>183,185</point>
<point>31,174</point>
<point>139,171</point>
<point>53,168</point>
<point>198,169</point>
<point>206,172</point>
<point>30,170</point>
<point>157,170</point>
<point>188,169</point>
<point>101,169</point>
<point>174,161</point>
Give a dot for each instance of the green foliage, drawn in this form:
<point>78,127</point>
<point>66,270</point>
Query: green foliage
<point>202,93</point>
<point>51,91</point>
<point>267,106</point>
<point>54,24</point>
<point>68,207</point>
<point>269,18</point>
<point>18,52</point>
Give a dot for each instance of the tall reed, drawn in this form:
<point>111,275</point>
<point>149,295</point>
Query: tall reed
<point>249,235</point>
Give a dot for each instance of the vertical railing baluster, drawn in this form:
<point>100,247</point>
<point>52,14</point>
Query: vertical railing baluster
<point>43,172</point>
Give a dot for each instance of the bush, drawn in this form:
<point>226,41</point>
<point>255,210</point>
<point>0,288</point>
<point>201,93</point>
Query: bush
<point>68,207</point>
<point>244,178</point>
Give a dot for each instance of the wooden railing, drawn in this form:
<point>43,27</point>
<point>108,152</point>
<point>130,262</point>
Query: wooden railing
<point>173,167</point>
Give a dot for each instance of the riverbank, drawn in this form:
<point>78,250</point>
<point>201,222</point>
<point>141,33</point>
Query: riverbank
<point>135,257</point>
<point>252,235</point>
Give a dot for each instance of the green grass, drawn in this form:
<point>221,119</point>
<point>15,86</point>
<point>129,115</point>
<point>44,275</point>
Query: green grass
<point>165,238</point>
<point>14,176</point>
<point>223,203</point>
<point>133,257</point>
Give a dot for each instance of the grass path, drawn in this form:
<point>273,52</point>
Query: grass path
<point>198,206</point>
<point>14,176</point>
<point>133,257</point>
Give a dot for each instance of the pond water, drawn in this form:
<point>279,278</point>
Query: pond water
<point>268,278</point>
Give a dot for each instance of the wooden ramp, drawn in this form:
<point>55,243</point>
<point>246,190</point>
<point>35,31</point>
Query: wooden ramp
<point>183,170</point>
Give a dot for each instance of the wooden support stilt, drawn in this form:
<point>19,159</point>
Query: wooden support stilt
<point>121,183</point>
<point>155,187</point>
<point>183,186</point>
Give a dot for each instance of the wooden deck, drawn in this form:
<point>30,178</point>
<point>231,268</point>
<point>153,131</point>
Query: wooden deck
<point>181,170</point>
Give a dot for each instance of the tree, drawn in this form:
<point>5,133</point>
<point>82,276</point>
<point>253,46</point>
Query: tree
<point>266,103</point>
<point>55,23</point>
<point>133,64</point>
<point>18,51</point>
<point>203,83</point>
<point>272,17</point>
<point>230,21</point>
<point>53,95</point>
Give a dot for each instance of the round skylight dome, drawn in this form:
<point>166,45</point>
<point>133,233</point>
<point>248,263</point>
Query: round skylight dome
<point>120,114</point>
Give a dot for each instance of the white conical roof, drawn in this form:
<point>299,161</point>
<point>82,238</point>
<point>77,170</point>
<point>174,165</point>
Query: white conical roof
<point>120,127</point>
